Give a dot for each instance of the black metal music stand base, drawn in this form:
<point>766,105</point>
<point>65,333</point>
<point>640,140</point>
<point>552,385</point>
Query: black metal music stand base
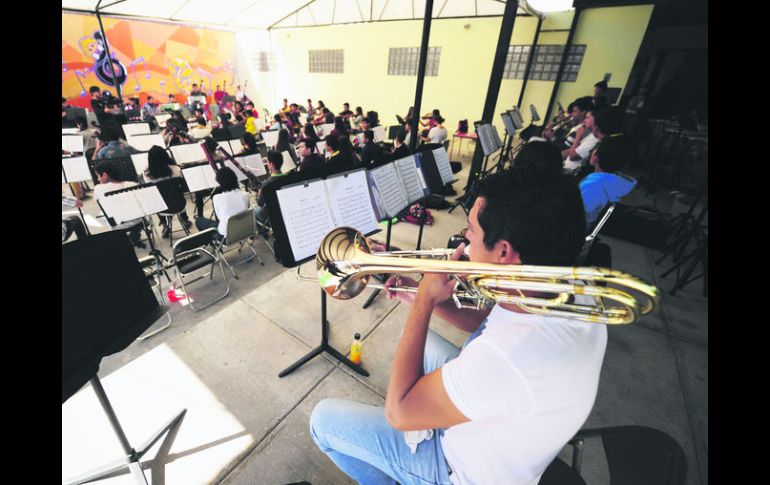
<point>132,458</point>
<point>324,347</point>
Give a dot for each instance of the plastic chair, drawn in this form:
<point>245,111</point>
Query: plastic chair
<point>195,252</point>
<point>636,455</point>
<point>241,230</point>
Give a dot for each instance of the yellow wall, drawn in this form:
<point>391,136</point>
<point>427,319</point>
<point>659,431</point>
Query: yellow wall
<point>613,36</point>
<point>467,51</point>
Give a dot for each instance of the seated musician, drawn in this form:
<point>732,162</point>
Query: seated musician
<point>110,180</point>
<point>310,159</point>
<point>585,141</point>
<point>229,201</point>
<point>438,133</point>
<point>160,166</point>
<point>601,122</point>
<point>371,153</point>
<point>274,164</point>
<point>400,148</point>
<point>606,185</point>
<point>248,144</point>
<point>110,144</point>
<point>346,113</point>
<point>500,409</point>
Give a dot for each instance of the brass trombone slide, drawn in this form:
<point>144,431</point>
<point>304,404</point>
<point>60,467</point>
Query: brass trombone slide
<point>345,264</point>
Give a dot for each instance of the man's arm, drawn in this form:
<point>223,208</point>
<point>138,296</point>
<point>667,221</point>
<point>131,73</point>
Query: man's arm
<point>415,400</point>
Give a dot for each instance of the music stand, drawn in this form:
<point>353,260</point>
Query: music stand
<point>99,275</point>
<point>284,252</point>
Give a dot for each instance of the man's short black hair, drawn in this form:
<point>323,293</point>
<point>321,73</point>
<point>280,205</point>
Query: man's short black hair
<point>615,152</point>
<point>584,104</point>
<point>543,220</point>
<point>369,135</point>
<point>609,120</point>
<point>601,85</point>
<point>539,159</point>
<point>275,158</point>
<point>333,143</point>
<point>110,132</point>
<point>309,143</point>
<point>227,179</point>
<point>93,89</point>
<point>109,168</point>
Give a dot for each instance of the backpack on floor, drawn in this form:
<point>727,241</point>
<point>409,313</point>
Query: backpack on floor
<point>414,213</point>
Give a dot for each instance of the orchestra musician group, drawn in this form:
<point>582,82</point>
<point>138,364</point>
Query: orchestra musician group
<point>500,408</point>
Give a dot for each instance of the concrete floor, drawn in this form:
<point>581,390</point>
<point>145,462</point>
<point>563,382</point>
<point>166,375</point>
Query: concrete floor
<point>244,425</point>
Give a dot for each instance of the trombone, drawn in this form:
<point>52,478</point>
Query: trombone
<point>345,264</point>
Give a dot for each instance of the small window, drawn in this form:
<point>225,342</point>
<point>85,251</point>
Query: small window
<point>404,61</point>
<point>326,60</point>
<point>545,64</point>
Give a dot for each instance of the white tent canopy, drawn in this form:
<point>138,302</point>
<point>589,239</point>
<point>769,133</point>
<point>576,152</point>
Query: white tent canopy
<point>264,14</point>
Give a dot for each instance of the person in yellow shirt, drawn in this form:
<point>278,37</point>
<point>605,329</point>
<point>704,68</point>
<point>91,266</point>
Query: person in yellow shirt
<point>250,122</point>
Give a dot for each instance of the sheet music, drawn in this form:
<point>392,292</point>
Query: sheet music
<point>150,200</point>
<point>325,128</point>
<point>191,152</point>
<point>122,207</point>
<point>379,133</point>
<point>510,128</point>
<point>288,162</point>
<point>253,163</point>
<point>140,162</point>
<point>70,131</point>
<point>270,138</point>
<point>350,202</point>
<point>241,176</point>
<point>143,143</point>
<point>488,138</point>
<point>72,143</point>
<point>231,146</point>
<point>162,118</point>
<point>444,167</point>
<point>321,145</point>
<point>306,215</point>
<point>201,177</point>
<point>131,129</point>
<point>390,192</point>
<point>407,172</point>
<point>76,169</point>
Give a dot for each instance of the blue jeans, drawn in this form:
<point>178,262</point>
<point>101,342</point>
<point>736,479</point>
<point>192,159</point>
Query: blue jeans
<point>359,440</point>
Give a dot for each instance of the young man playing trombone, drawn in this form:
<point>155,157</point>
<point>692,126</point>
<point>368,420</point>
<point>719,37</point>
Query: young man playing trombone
<point>500,409</point>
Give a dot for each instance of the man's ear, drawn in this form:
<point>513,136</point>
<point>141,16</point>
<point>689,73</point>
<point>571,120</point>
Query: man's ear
<point>505,253</point>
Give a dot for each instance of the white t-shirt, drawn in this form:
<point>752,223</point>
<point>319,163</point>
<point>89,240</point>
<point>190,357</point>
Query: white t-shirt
<point>437,135</point>
<point>228,204</point>
<point>527,384</point>
<point>583,150</point>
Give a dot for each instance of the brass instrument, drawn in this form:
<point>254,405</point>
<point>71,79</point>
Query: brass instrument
<point>345,264</point>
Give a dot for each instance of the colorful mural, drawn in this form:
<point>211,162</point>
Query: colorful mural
<point>149,58</point>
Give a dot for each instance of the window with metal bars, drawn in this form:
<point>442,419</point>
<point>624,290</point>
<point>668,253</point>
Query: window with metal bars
<point>545,65</point>
<point>403,61</point>
<point>326,60</point>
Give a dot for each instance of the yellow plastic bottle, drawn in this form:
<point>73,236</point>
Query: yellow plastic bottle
<point>355,349</point>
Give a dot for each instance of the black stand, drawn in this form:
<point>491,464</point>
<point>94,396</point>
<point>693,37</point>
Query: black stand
<point>133,457</point>
<point>324,346</point>
<point>470,192</point>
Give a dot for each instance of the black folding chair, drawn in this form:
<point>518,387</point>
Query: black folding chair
<point>636,455</point>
